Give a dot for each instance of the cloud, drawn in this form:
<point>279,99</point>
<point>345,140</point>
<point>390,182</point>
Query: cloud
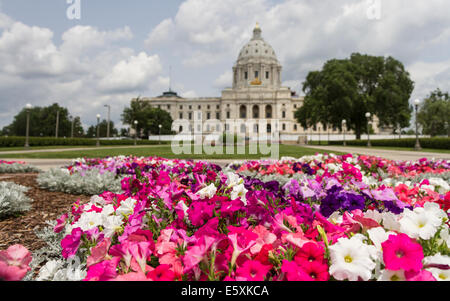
<point>132,74</point>
<point>90,68</point>
<point>225,80</point>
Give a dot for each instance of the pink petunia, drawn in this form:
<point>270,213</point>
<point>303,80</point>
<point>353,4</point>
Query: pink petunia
<point>162,273</point>
<point>252,270</point>
<point>103,271</point>
<point>402,252</point>
<point>71,243</point>
<point>14,263</point>
<point>310,252</point>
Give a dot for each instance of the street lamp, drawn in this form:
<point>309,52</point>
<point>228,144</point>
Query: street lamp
<point>28,108</point>
<point>368,115</point>
<point>72,120</point>
<point>344,125</point>
<point>136,132</point>
<point>98,130</point>
<point>160,126</point>
<point>417,147</point>
<point>109,120</point>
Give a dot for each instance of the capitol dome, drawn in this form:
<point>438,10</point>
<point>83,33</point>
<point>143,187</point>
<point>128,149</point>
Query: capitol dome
<point>257,50</point>
<point>257,64</point>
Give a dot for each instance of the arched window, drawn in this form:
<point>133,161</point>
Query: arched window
<point>243,112</point>
<point>269,112</point>
<point>269,128</point>
<point>255,112</point>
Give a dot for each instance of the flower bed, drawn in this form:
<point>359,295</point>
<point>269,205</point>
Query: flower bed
<point>16,167</point>
<point>327,218</point>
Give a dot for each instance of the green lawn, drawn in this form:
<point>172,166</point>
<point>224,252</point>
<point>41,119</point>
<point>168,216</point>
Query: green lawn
<point>426,150</point>
<point>160,151</point>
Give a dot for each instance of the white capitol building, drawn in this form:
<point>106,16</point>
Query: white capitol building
<point>256,94</point>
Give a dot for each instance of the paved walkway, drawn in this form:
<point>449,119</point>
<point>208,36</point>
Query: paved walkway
<point>57,150</point>
<point>388,154</point>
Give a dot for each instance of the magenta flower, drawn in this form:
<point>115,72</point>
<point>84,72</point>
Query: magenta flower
<point>71,243</point>
<point>103,271</point>
<point>401,252</point>
<point>252,270</point>
<point>310,252</point>
<point>99,252</point>
<point>161,273</point>
<point>61,223</point>
<point>200,212</point>
<point>141,251</point>
<point>14,263</point>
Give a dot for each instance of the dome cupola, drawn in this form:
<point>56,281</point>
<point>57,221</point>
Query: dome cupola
<point>257,64</point>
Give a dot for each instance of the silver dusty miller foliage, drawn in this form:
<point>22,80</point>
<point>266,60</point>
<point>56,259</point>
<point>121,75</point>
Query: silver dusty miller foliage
<point>18,168</point>
<point>13,199</point>
<point>90,182</point>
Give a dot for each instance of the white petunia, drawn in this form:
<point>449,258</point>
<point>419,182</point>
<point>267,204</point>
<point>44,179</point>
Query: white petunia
<point>422,222</point>
<point>440,184</point>
<point>48,271</point>
<point>445,236</point>
<point>126,207</point>
<point>387,275</point>
<point>88,221</point>
<point>233,179</point>
<point>438,259</point>
<point>390,221</point>
<point>352,259</point>
<point>112,224</point>
<point>378,236</point>
<point>239,191</point>
<point>207,192</point>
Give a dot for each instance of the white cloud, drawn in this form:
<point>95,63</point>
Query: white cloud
<point>131,74</point>
<point>224,80</point>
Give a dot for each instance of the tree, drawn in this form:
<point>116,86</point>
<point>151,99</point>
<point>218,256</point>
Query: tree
<point>42,122</point>
<point>434,112</point>
<point>348,88</point>
<point>103,128</point>
<point>148,118</point>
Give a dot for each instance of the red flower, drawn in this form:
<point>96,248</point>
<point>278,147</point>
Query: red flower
<point>310,252</point>
<point>252,270</point>
<point>162,273</point>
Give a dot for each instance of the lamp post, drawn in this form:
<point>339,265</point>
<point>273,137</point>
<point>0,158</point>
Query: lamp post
<point>136,132</point>
<point>28,108</point>
<point>368,115</point>
<point>320,142</point>
<point>160,126</point>
<point>417,147</point>
<point>109,120</point>
<point>72,120</point>
<point>98,130</point>
<point>447,128</point>
<point>57,124</point>
<point>344,125</point>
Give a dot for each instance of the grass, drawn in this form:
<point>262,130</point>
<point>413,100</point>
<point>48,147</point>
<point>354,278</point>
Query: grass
<point>162,151</point>
<point>425,150</point>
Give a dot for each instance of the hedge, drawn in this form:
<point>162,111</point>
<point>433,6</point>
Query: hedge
<point>47,141</point>
<point>433,143</point>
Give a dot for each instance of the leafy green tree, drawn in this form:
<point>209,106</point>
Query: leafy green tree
<point>103,128</point>
<point>348,88</point>
<point>42,122</point>
<point>434,112</point>
<point>148,118</point>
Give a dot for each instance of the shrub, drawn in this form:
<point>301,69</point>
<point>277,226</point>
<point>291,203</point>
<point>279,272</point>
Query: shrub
<point>13,199</point>
<point>14,167</point>
<point>88,182</point>
<point>435,143</point>
<point>48,141</point>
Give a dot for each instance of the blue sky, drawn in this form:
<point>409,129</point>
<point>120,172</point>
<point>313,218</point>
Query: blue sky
<point>121,49</point>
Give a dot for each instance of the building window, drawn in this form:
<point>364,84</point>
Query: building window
<point>208,107</point>
<point>168,107</point>
<point>243,129</point>
<point>181,107</point>
<point>284,127</point>
<point>208,115</point>
<point>256,74</point>
<point>267,74</point>
<point>243,112</point>
<point>218,107</point>
<point>255,128</point>
<point>295,127</point>
<point>218,115</point>
<point>190,115</point>
<point>228,115</point>
<point>190,107</point>
<point>283,114</point>
<point>181,115</point>
<point>269,128</point>
<point>295,106</point>
<point>269,112</point>
<point>181,129</point>
<point>246,75</point>
<point>199,107</point>
<point>255,112</point>
<point>159,106</point>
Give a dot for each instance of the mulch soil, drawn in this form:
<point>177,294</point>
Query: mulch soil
<point>46,206</point>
